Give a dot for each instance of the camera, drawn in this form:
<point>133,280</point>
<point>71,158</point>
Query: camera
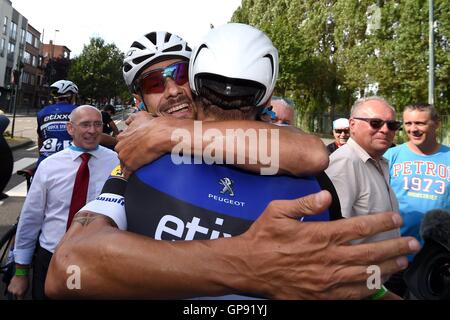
<point>428,276</point>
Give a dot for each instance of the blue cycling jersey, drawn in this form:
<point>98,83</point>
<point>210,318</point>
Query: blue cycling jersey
<point>52,129</point>
<point>166,201</point>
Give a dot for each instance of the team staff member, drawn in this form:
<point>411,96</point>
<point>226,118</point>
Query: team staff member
<point>53,194</point>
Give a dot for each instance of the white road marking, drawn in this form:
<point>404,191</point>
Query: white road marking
<point>23,163</point>
<point>18,191</point>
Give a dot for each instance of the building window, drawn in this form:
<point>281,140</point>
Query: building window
<point>29,38</point>
<point>13,30</point>
<point>5,25</point>
<point>11,50</point>
<point>34,61</point>
<point>32,79</point>
<point>25,77</point>
<point>2,47</point>
<point>22,36</point>
<point>8,75</point>
<point>27,57</point>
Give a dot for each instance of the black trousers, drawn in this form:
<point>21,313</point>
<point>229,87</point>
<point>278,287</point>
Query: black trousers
<point>40,267</point>
<point>6,163</point>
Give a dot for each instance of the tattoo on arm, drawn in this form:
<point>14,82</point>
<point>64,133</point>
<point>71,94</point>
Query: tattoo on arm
<point>85,218</point>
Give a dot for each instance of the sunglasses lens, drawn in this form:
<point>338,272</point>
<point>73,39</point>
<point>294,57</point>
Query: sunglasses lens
<point>376,123</point>
<point>339,131</point>
<point>393,125</point>
<point>179,73</point>
<point>154,81</point>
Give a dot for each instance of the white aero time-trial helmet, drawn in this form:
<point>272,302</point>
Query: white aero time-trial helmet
<point>150,49</point>
<point>235,61</point>
<point>64,88</point>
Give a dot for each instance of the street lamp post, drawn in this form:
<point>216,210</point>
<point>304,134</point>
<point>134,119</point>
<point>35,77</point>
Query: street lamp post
<point>431,53</point>
<point>54,43</point>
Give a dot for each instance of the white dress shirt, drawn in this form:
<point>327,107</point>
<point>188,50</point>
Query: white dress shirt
<point>47,204</point>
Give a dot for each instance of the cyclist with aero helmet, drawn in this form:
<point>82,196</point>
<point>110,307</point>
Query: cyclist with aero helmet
<point>52,119</point>
<point>301,153</point>
<point>235,265</point>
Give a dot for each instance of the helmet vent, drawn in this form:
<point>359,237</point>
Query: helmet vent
<point>137,45</point>
<point>174,48</point>
<point>138,60</point>
<point>167,37</point>
<point>127,67</point>
<point>269,56</point>
<point>152,37</point>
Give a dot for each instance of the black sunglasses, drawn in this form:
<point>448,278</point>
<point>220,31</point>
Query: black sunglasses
<point>339,131</point>
<point>376,123</point>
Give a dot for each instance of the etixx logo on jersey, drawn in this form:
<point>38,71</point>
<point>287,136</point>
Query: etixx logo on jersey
<point>227,190</point>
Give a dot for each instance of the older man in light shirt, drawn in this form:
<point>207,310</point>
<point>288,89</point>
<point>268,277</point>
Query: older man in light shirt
<point>358,170</point>
<point>53,194</point>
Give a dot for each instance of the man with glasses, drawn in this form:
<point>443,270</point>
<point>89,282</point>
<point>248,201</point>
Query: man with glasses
<point>61,186</point>
<point>358,170</point>
<point>341,133</point>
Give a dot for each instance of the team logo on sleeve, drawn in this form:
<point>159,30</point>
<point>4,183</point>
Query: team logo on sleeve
<point>117,172</point>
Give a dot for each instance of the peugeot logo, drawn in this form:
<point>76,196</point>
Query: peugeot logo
<point>227,184</point>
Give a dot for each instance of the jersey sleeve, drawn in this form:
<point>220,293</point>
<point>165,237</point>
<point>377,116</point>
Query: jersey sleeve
<point>111,201</point>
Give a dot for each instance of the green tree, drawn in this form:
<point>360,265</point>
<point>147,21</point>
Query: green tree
<point>332,51</point>
<point>98,72</point>
<point>56,69</point>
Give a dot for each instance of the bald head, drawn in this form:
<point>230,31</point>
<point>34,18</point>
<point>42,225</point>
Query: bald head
<point>85,126</point>
<point>285,113</point>
<point>360,105</point>
<point>75,114</point>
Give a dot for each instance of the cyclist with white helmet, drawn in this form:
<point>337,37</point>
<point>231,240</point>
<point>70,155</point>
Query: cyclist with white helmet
<point>241,264</point>
<point>159,55</point>
<point>52,119</point>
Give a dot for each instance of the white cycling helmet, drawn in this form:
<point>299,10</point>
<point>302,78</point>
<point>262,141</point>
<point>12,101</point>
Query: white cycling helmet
<point>64,88</point>
<point>235,60</point>
<point>149,49</point>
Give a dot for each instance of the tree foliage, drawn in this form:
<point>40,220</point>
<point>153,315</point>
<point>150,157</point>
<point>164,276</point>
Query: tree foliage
<point>333,51</point>
<point>98,71</point>
<point>56,69</point>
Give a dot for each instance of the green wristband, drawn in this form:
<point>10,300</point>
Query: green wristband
<point>22,272</point>
<point>379,294</point>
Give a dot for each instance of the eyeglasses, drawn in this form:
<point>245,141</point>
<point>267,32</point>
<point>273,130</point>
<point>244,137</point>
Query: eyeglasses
<point>339,131</point>
<point>87,124</point>
<point>376,123</point>
<point>154,81</point>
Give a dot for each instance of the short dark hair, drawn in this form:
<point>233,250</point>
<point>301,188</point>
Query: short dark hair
<point>110,108</point>
<point>423,107</point>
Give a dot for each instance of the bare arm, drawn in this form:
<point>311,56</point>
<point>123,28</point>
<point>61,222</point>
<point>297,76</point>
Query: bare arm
<point>278,257</point>
<point>114,128</point>
<point>106,139</point>
<point>267,148</point>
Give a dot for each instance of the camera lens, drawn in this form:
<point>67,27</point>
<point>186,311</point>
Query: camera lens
<point>439,276</point>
